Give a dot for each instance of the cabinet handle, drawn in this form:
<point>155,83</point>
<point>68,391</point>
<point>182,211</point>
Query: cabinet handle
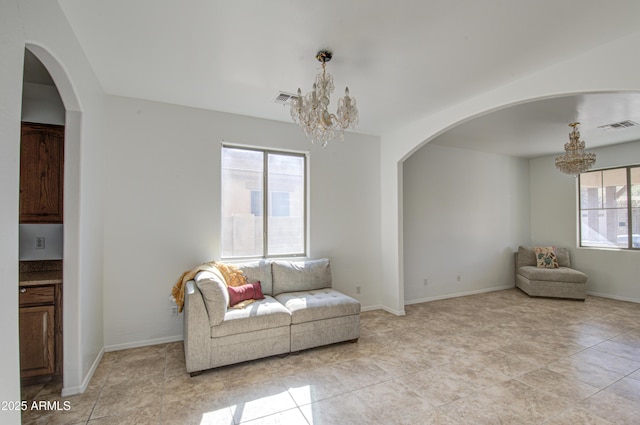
<point>23,290</point>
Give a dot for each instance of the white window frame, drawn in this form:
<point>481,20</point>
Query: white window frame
<point>266,213</point>
<point>629,209</point>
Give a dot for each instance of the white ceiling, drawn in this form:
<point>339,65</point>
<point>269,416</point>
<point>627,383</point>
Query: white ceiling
<point>402,60</point>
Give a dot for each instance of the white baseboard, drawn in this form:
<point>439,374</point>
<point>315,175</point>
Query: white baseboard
<point>85,382</point>
<point>457,294</point>
<point>144,343</point>
<point>392,311</point>
<point>614,297</point>
<point>371,308</point>
<point>385,308</point>
<point>435,298</point>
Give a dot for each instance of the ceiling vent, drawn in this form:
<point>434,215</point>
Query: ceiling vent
<point>618,125</point>
<point>284,98</point>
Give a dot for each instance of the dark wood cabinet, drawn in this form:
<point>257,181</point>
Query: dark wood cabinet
<point>37,331</point>
<point>41,173</point>
<point>41,201</point>
<point>36,341</point>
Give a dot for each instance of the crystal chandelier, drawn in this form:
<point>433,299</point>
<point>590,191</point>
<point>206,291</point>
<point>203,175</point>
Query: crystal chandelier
<point>310,110</point>
<point>575,160</point>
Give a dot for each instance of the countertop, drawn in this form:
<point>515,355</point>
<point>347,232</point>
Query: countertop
<point>49,277</point>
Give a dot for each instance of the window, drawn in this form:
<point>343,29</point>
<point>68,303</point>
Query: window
<point>279,204</point>
<point>610,208</point>
<point>247,174</point>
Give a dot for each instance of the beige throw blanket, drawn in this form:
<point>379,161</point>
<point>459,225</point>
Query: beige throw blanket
<point>177,292</point>
<point>232,277</point>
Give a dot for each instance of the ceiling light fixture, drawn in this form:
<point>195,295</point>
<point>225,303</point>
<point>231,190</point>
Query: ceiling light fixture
<point>575,160</point>
<point>310,110</point>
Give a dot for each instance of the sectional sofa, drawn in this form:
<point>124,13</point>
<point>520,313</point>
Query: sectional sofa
<point>300,310</point>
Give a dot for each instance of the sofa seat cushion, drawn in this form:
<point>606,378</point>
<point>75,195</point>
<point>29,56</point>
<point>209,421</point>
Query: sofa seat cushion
<point>263,314</point>
<point>562,274</point>
<point>307,306</point>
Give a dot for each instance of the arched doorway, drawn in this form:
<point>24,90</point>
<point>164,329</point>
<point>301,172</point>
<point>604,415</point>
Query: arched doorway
<point>466,202</point>
<point>72,375</point>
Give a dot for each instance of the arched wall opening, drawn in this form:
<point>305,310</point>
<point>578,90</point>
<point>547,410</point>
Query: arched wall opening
<point>436,284</point>
<point>408,282</point>
<point>606,68</point>
<point>466,197</point>
<point>72,375</point>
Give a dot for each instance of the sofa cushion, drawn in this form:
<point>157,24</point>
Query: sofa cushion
<point>307,306</point>
<point>527,256</point>
<point>291,276</point>
<point>214,291</point>
<point>564,259</point>
<point>546,257</point>
<point>263,314</point>
<point>562,274</point>
<point>258,271</point>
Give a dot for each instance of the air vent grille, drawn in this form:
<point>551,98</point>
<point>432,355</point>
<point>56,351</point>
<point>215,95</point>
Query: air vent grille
<point>618,125</point>
<point>284,98</point>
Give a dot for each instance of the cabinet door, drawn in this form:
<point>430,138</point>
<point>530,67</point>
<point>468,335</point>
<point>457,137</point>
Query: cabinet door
<point>41,173</point>
<point>36,340</point>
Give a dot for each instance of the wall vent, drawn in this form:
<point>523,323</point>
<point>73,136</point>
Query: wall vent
<point>284,98</point>
<point>618,125</point>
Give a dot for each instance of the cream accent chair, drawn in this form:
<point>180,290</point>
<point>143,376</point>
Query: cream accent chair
<point>563,282</point>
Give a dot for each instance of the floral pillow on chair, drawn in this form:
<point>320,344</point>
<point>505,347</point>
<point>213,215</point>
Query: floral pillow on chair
<point>546,257</point>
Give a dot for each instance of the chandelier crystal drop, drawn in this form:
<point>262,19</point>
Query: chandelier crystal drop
<point>311,110</point>
<point>575,160</point>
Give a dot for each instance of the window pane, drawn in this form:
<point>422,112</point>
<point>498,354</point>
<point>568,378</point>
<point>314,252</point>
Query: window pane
<point>614,184</point>
<point>635,219</point>
<point>610,208</point>
<point>591,190</point>
<point>604,228</point>
<point>279,204</point>
<point>242,200</point>
<point>286,185</point>
<point>635,206</point>
<point>256,203</point>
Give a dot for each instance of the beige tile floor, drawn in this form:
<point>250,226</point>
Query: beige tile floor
<point>494,358</point>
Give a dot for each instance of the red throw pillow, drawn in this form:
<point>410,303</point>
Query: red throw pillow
<point>250,291</point>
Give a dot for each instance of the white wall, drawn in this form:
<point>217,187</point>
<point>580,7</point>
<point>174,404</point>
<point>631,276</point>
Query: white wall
<point>42,104</point>
<point>40,25</point>
<point>554,215</point>
<point>162,211</point>
<point>11,52</point>
<point>465,212</point>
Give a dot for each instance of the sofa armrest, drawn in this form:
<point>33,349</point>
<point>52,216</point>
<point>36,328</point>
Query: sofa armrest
<point>197,332</point>
<point>213,290</point>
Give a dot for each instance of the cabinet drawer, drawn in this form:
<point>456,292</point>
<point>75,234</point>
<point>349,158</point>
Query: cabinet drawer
<point>30,295</point>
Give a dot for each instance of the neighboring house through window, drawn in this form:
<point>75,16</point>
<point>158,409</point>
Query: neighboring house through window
<point>610,208</point>
<point>249,173</point>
